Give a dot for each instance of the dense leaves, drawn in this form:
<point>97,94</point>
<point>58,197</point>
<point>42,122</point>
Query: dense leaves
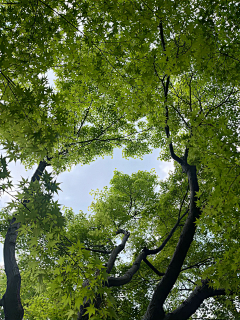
<point>136,75</point>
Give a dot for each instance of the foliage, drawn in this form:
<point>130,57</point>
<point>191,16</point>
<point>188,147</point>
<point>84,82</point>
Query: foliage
<point>136,75</point>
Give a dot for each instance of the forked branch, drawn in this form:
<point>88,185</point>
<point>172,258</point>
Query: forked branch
<point>127,277</point>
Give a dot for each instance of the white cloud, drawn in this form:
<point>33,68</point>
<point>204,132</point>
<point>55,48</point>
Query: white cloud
<point>165,167</point>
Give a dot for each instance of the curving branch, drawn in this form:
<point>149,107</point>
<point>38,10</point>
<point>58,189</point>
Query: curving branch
<point>166,284</point>
<point>117,249</point>
<point>97,302</point>
<point>155,308</point>
<point>127,277</point>
<point>39,171</point>
<point>192,303</point>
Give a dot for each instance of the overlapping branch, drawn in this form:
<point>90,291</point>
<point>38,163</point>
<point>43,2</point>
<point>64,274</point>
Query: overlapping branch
<point>155,308</point>
<point>127,277</point>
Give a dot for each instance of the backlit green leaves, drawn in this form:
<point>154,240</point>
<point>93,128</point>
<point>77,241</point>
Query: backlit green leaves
<point>111,60</point>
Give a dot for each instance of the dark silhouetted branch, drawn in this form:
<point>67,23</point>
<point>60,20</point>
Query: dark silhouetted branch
<point>127,277</point>
<point>193,302</point>
<point>84,119</point>
<point>157,250</point>
<point>11,300</point>
<point>98,250</point>
<point>153,268</point>
<point>117,250</point>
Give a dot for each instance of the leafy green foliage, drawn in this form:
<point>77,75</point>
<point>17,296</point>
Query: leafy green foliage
<point>111,60</point>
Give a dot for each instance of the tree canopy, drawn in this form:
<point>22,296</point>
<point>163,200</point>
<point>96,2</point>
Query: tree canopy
<point>135,75</point>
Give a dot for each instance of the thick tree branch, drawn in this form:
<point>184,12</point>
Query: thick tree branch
<point>162,35</point>
<point>185,240</point>
<point>174,156</point>
<point>127,277</point>
<point>39,171</point>
<point>186,154</point>
<point>11,300</point>
<point>117,250</point>
<point>193,302</point>
<point>155,307</point>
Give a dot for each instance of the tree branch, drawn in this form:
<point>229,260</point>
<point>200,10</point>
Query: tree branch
<point>99,251</point>
<point>173,155</point>
<point>196,265</point>
<point>162,35</point>
<point>110,264</point>
<point>180,209</point>
<point>155,307</point>
<point>192,303</point>
<point>85,117</point>
<point>178,112</point>
<point>185,240</point>
<point>127,277</point>
<point>39,171</point>
<point>117,250</point>
<point>157,250</point>
<point>153,268</point>
<point>88,142</point>
<point>11,300</point>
